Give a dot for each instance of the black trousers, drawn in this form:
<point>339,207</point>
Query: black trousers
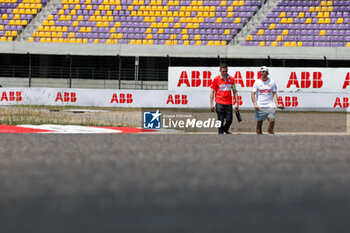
<point>224,112</point>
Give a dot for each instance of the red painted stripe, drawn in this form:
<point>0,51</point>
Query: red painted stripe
<point>17,129</point>
<point>129,129</point>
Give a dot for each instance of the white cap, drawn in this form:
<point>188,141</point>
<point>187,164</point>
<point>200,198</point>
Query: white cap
<point>264,68</point>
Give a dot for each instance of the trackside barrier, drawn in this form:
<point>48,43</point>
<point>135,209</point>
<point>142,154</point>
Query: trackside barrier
<point>161,98</point>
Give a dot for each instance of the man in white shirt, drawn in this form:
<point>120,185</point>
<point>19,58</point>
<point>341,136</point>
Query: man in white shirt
<point>264,94</point>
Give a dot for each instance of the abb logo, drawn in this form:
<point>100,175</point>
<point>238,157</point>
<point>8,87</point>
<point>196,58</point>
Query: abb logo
<point>240,102</point>
<point>66,97</point>
<point>11,96</point>
<point>305,81</point>
<point>177,99</point>
<point>347,81</point>
<point>288,101</point>
<point>339,103</point>
<point>122,98</point>
<point>203,79</point>
<point>195,79</point>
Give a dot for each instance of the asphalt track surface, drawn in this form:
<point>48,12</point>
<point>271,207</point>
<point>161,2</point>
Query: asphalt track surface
<point>174,183</point>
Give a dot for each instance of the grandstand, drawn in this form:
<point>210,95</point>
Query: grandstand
<point>171,32</point>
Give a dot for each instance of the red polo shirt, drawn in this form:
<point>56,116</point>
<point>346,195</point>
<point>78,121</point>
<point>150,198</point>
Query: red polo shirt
<point>223,89</point>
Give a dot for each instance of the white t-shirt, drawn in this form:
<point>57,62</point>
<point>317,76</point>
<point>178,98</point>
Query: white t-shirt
<point>264,92</point>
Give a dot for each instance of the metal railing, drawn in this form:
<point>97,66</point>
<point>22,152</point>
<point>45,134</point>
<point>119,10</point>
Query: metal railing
<point>93,77</point>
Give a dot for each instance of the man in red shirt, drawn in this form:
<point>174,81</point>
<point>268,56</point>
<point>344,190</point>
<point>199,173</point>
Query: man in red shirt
<point>222,88</point>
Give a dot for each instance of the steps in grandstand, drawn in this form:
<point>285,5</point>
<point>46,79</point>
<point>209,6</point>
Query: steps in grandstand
<point>38,20</point>
<point>268,6</point>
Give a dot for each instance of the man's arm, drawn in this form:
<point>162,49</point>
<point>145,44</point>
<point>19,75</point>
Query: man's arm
<point>212,94</point>
<point>235,94</point>
<point>256,106</point>
<point>275,98</point>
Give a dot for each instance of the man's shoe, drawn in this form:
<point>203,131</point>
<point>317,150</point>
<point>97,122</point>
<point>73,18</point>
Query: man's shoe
<point>228,132</point>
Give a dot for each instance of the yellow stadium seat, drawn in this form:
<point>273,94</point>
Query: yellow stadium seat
<point>3,38</point>
<point>272,26</point>
<point>53,34</point>
<point>59,34</point>
<point>249,37</point>
<point>347,44</point>
<point>329,9</point>
<point>16,17</point>
<point>322,33</point>
<point>282,15</point>
<point>61,40</point>
<point>262,43</point>
<point>293,44</point>
<point>31,39</point>
<point>279,38</point>
<point>325,14</point>
<point>227,32</point>
<point>329,3</point>
<point>43,39</point>
<point>14,33</point>
<point>311,8</point>
<point>308,21</point>
<point>317,8</point>
<point>119,35</point>
<point>320,21</point>
<point>237,20</point>
<point>340,21</point>
<point>47,34</point>
<point>184,37</point>
<point>260,32</point>
<point>218,20</point>
<point>324,8</point>
<point>217,43</point>
<point>283,20</point>
<point>184,31</point>
<point>197,37</point>
<point>285,32</point>
<point>198,42</point>
<point>40,28</point>
<point>274,44</point>
<point>210,42</point>
<point>75,24</point>
<point>319,15</point>
<point>327,20</point>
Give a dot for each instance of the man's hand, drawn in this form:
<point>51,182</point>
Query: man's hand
<point>212,108</point>
<point>280,106</point>
<point>257,108</point>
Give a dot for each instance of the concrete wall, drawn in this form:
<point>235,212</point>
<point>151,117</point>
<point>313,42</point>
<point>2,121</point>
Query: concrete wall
<point>336,53</point>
